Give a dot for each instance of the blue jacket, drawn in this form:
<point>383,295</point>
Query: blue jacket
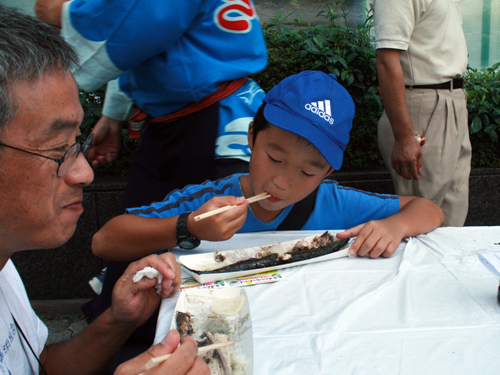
<point>168,54</point>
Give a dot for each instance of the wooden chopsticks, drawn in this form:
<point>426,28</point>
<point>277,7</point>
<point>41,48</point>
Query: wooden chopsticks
<point>253,199</point>
<point>153,362</point>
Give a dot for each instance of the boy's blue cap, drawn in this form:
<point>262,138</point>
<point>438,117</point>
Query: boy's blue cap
<point>315,106</point>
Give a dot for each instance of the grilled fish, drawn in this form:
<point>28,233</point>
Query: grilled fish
<point>321,245</point>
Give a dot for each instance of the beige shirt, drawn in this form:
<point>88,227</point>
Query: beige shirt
<point>429,32</point>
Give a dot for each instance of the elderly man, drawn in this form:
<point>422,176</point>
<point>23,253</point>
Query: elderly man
<point>42,173</point>
<point>421,61</point>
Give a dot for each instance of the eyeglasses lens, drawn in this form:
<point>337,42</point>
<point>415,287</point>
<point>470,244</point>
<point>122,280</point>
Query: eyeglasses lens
<point>72,154</point>
<point>69,159</point>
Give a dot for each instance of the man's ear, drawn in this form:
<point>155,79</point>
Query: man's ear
<point>250,136</point>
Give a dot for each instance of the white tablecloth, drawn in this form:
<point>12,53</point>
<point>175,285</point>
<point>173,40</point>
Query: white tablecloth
<point>429,309</point>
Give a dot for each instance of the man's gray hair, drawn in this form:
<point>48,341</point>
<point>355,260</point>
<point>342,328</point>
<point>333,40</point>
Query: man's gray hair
<point>28,50</point>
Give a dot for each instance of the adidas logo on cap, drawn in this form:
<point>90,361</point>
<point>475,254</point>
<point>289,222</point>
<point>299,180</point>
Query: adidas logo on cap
<point>322,109</point>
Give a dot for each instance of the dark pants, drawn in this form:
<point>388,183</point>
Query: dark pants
<point>170,156</point>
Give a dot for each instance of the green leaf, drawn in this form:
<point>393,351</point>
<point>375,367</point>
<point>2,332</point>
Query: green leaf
<point>318,41</point>
<point>343,62</point>
<point>475,125</point>
<point>490,128</point>
<point>485,120</point>
<point>493,135</point>
<point>349,79</point>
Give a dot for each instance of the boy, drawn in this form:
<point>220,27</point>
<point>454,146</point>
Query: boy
<point>297,139</point>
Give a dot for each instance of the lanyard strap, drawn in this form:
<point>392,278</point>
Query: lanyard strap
<point>25,339</point>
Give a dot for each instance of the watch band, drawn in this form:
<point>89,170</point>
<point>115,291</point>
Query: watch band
<point>184,239</point>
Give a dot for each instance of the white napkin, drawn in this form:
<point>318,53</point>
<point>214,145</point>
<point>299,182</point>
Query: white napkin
<point>150,273</point>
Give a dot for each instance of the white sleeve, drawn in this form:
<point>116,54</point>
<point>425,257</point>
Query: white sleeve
<point>394,22</point>
<point>117,105</point>
<point>96,67</point>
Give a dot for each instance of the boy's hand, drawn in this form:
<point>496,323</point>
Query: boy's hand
<point>219,227</point>
<point>376,238</point>
<point>107,142</point>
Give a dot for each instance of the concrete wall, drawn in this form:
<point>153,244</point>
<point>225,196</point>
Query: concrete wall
<point>64,273</point>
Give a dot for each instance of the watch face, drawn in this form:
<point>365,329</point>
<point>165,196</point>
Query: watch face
<point>186,244</point>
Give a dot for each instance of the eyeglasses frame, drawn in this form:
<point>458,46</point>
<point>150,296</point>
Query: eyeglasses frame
<point>83,147</point>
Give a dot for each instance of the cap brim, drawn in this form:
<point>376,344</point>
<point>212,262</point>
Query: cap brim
<point>300,126</point>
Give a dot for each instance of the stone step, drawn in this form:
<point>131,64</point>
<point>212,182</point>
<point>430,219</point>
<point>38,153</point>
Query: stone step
<point>63,318</point>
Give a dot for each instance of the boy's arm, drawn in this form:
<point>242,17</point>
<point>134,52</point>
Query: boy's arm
<point>128,237</point>
<point>382,237</point>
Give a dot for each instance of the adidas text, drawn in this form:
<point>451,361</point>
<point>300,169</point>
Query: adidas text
<point>319,110</point>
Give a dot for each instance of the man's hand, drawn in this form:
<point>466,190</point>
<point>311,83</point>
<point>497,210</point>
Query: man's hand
<point>134,302</point>
<point>222,226</point>
<point>407,157</point>
<point>184,359</point>
<point>106,143</point>
<point>376,238</point>
<point>49,11</point>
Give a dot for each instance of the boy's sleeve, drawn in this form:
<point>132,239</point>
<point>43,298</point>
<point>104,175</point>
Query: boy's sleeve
<point>113,36</point>
<point>190,198</point>
<point>166,208</point>
<point>360,206</point>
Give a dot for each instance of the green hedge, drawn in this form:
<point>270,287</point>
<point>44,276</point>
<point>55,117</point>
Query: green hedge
<point>348,52</point>
<point>483,102</point>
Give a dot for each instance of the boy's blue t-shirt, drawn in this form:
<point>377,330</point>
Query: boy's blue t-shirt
<point>336,207</point>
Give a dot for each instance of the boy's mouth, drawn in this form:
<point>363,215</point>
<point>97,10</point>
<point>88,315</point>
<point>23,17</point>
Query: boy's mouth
<point>273,199</point>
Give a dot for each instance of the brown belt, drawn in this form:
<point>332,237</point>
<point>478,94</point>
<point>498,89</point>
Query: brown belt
<point>456,83</point>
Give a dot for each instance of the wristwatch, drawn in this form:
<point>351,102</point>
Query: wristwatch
<point>184,239</point>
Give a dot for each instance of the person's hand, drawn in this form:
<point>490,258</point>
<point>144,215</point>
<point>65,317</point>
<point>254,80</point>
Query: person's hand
<point>183,361</point>
<point>132,302</point>
<point>222,226</point>
<point>49,11</point>
<point>107,141</point>
<point>375,238</point>
<point>407,157</point>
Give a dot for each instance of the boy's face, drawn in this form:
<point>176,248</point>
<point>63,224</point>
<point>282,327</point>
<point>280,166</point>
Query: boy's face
<point>283,165</point>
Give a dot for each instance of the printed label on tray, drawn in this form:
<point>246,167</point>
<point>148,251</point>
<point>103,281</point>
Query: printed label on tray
<point>261,278</point>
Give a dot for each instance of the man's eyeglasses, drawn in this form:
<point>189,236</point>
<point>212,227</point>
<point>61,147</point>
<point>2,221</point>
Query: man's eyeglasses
<point>68,159</point>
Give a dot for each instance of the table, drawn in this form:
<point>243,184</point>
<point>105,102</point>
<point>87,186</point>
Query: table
<point>431,308</point>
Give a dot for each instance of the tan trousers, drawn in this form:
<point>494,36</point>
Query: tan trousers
<point>441,116</point>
